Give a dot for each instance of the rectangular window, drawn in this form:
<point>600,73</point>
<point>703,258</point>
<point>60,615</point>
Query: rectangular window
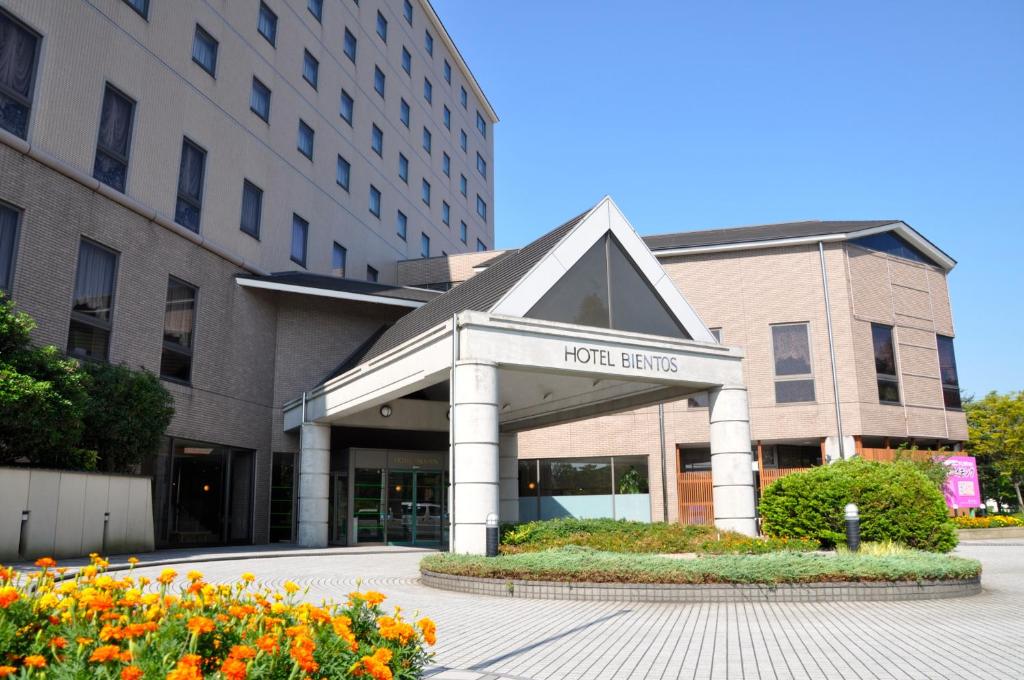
<point>463,140</point>
<point>791,350</point>
<point>8,243</point>
<point>189,206</point>
<point>447,72</point>
<point>427,140</point>
<point>446,164</point>
<point>283,476</point>
<point>463,232</point>
<point>343,173</point>
<point>406,61</point>
<point>426,192</point>
<point>339,258</point>
<point>481,208</point>
<point>401,224</point>
<point>140,6</point>
<point>463,185</point>
<point>481,166</point>
<point>382,27</point>
<point>403,113</point>
<point>424,245</point>
<point>179,324</point>
<point>259,100</point>
<point>371,274</point>
<point>300,235</point>
<point>947,370</point>
<point>267,25</point>
<point>403,168</point>
<point>463,98</point>
<point>347,108</point>
<point>305,143</point>
<point>19,49</point>
<point>378,80</point>
<point>375,201</point>
<point>480,246</point>
<point>428,91</point>
<point>428,43</point>
<point>349,46</point>
<point>93,304</point>
<point>316,8</point>
<point>252,209</point>
<point>481,124</point>
<point>310,69</point>
<point>377,140</point>
<point>204,51</point>
<point>446,213</point>
<point>447,118</point>
<point>111,164</point>
<point>885,364</point>
<point>407,11</point>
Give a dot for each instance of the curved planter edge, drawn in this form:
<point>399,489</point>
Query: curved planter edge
<point>845,591</point>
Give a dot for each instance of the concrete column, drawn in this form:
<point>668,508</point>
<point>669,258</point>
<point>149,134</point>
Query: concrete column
<point>732,478</point>
<point>508,473</point>
<point>314,482</point>
<point>475,477</point>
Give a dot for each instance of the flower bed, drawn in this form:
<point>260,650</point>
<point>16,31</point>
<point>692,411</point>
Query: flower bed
<point>100,625</point>
<point>988,522</point>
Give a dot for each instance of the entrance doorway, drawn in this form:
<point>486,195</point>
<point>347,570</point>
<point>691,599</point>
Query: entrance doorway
<point>211,495</point>
<point>415,509</point>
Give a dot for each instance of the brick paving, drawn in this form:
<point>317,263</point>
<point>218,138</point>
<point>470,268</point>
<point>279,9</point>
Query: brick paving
<point>482,637</point>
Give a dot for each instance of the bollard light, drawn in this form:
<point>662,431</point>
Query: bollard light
<point>491,524</point>
<point>852,527</point>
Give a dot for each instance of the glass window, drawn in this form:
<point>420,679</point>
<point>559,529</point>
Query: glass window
<point>426,192</point>
<point>116,118</point>
<point>374,201</point>
<point>581,295</point>
<point>403,113</point>
<point>717,333</point>
<point>347,109</point>
<point>947,370</point>
<point>630,474</point>
<point>403,168</point>
<point>401,224</point>
<point>189,206</point>
<point>528,487</point>
<point>93,304</point>
<point>791,349</point>
<point>349,46</point>
<point>267,25</point>
<point>428,43</point>
<point>463,185</point>
<point>481,166</point>
<point>339,258</point>
<point>697,400</point>
<point>481,208</point>
<point>316,8</point>
<point>204,50</point>
<point>305,140</point>
<point>885,364</point>
<point>8,243</point>
<point>424,245</point>
<point>635,305</point>
<point>447,72</point>
<point>447,118</point>
<point>378,80</point>
<point>282,497</point>
<point>371,274</point>
<point>696,459</point>
<point>463,97</point>
<point>576,477</point>
<point>893,244</point>
<point>481,124</point>
<point>19,48</point>
<point>300,235</point>
<point>463,231</point>
<point>259,100</point>
<point>179,324</point>
<point>428,91</point>
<point>382,27</point>
<point>463,140</point>
<point>407,11</point>
<point>310,69</point>
<point>377,140</point>
<point>343,173</point>
<point>480,246</point>
<point>406,61</point>
<point>427,140</point>
<point>446,164</point>
<point>252,208</point>
<point>140,6</point>
<point>446,213</point>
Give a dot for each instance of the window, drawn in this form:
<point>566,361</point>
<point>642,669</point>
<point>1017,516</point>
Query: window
<point>480,246</point>
<point>252,209</point>
<point>428,43</point>
<point>481,124</point>
<point>259,100</point>
<point>190,186</point>
<point>427,140</point>
<point>8,242</point>
<point>378,80</point>
<point>446,164</point>
<point>349,46</point>
<point>463,232</point>
<point>446,213</point>
<point>481,166</point>
<point>93,304</point>
<point>947,370</point>
<point>463,185</point>
<point>343,173</point>
<point>300,235</point>
<point>371,274</point>
<point>463,98</point>
<point>403,168</point>
<point>407,11</point>
<point>447,117</point>
<point>339,257</point>
<point>428,91</point>
<point>316,8</point>
<point>375,201</point>
<point>19,48</point>
<point>426,192</point>
<point>140,6</point>
<point>111,164</point>
<point>204,50</point>
<point>481,208</point>
<point>893,244</point>
<point>382,27</point>
<point>406,61</point>
<point>347,108</point>
<point>377,140</point>
<point>463,140</point>
<point>717,334</point>
<point>403,113</point>
<point>447,72</point>
<point>310,69</point>
<point>424,245</point>
<point>267,25</point>
<point>401,224</point>
<point>885,364</point>
<point>791,349</point>
<point>179,325</point>
<point>306,135</point>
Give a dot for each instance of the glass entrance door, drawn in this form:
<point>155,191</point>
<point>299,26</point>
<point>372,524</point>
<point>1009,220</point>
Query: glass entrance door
<point>339,508</point>
<point>368,508</point>
<point>415,508</point>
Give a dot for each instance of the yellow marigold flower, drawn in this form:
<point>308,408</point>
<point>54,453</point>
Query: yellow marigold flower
<point>33,661</point>
<point>248,577</point>
<point>133,561</point>
<point>166,576</point>
<point>290,587</point>
<point>194,575</point>
<point>46,563</point>
<point>105,653</point>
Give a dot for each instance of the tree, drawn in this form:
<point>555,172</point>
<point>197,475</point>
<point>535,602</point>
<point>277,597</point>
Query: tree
<point>996,428</point>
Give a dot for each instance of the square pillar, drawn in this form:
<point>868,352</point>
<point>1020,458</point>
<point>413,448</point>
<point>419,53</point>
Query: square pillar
<point>732,477</point>
<point>475,475</point>
<point>508,474</point>
<point>314,483</point>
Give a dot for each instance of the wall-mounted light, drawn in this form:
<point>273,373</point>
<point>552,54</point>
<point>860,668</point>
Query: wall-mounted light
<point>385,411</point>
<point>398,488</point>
<point>206,487</point>
<point>531,486</point>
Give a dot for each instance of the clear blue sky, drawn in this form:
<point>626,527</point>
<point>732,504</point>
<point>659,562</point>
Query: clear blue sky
<point>718,113</point>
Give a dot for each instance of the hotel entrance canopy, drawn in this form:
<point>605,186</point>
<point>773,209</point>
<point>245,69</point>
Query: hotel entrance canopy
<point>582,322</point>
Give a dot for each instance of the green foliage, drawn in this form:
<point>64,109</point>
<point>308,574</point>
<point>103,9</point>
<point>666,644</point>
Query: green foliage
<point>927,462</point>
<point>996,427</point>
<point>583,564</point>
<point>897,502</point>
<point>632,482</point>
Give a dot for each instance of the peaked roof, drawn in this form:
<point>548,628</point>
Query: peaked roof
<point>760,232</point>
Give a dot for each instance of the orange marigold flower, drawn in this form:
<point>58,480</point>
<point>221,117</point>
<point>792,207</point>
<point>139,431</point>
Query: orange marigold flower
<point>84,641</point>
<point>131,673</point>
<point>8,596</point>
<point>429,630</point>
<point>105,653</point>
<point>242,652</point>
<point>46,563</point>
<point>268,643</point>
<point>200,624</point>
<point>187,668</point>
<point>33,661</point>
<point>7,670</point>
<point>233,669</point>
<point>58,642</point>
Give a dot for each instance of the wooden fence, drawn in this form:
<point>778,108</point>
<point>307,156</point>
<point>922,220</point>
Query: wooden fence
<point>769,475</point>
<point>695,499</point>
<point>889,455</point>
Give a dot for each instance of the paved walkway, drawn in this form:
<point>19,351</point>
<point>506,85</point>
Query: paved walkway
<point>490,637</point>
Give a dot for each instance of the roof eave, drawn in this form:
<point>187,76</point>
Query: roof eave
<point>327,293</point>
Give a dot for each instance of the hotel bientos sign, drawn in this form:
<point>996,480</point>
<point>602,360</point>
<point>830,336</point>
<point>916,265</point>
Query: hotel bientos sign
<point>599,357</point>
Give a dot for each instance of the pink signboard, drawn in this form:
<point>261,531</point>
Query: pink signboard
<point>962,489</point>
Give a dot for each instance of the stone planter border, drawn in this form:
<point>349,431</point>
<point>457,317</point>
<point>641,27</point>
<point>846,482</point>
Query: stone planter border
<point>849,591</point>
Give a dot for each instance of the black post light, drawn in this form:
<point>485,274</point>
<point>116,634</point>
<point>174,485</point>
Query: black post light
<point>852,527</point>
<point>492,535</point>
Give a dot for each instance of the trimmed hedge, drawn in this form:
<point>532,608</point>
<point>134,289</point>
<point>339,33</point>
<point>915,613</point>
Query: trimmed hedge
<point>897,502</point>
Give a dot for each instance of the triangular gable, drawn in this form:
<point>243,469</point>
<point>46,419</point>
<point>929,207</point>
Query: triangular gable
<point>602,274</point>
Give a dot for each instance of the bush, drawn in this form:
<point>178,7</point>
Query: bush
<point>101,626</point>
<point>987,522</point>
<point>897,502</point>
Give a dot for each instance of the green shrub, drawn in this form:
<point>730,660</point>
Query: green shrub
<point>897,502</point>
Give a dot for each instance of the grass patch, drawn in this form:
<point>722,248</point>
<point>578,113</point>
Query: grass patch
<point>586,565</point>
<point>621,536</point>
